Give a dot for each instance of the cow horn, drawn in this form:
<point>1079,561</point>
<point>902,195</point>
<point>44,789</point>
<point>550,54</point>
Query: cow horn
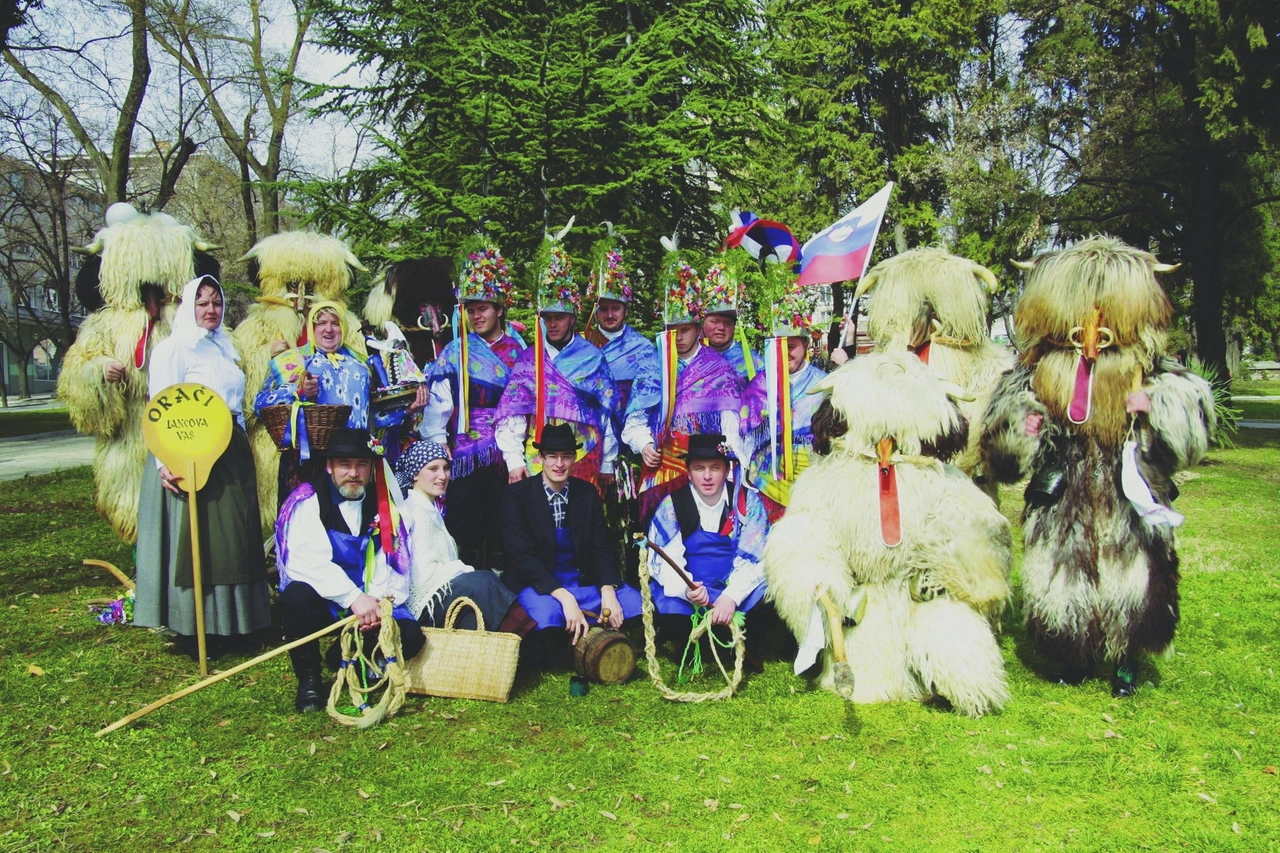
<point>354,262</point>
<point>1165,268</point>
<point>955,392</point>
<point>867,282</point>
<point>1025,266</point>
<point>987,277</point>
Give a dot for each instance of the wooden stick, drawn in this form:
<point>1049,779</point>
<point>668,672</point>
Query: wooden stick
<point>841,671</point>
<point>688,581</point>
<point>214,679</point>
<point>195,566</point>
<point>119,575</point>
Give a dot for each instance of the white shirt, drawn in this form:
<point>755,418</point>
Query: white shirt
<point>311,558</point>
<point>433,553</point>
<point>743,578</point>
<point>510,434</point>
<point>610,336</point>
<point>201,362</point>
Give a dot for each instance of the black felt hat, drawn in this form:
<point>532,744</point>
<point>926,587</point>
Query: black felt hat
<point>558,438</point>
<point>709,446</point>
<point>350,443</point>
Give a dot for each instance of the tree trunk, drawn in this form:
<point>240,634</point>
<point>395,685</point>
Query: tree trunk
<point>24,381</point>
<point>117,187</point>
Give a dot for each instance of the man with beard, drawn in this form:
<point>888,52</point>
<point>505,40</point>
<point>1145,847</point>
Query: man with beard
<point>339,552</point>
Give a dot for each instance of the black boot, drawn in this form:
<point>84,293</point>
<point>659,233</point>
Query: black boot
<point>306,666</point>
<point>1125,681</point>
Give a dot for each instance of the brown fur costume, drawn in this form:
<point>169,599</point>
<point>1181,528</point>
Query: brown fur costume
<point>408,293</point>
<point>291,271</point>
<point>1099,580</point>
<point>922,607</point>
<point>935,303</point>
<point>136,255</point>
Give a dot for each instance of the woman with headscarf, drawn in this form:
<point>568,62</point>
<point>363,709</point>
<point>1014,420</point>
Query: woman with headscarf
<point>436,576</point>
<point>236,599</point>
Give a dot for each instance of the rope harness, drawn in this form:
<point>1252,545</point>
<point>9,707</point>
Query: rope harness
<point>363,676</point>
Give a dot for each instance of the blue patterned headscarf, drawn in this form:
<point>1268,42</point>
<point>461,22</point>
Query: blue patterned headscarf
<point>419,455</point>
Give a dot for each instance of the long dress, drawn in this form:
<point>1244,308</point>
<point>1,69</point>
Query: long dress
<point>236,596</point>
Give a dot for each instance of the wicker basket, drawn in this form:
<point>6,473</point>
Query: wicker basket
<point>322,422</point>
<point>460,664</point>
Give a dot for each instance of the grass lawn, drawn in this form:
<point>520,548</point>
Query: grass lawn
<point>1258,410</point>
<point>1256,387</point>
<point>23,422</point>
<point>1190,763</point>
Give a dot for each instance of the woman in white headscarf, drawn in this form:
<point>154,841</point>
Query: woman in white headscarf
<point>236,598</point>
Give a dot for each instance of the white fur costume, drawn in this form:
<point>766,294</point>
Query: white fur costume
<point>132,251</point>
<point>923,608</point>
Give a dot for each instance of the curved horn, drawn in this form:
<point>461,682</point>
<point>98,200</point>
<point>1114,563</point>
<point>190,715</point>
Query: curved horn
<point>353,261</point>
<point>955,392</point>
<point>670,243</point>
<point>1025,266</point>
<point>558,236</point>
<point>868,281</point>
<point>988,277</point>
<point>608,228</point>
<point>92,249</point>
<point>204,246</point>
<point>1165,268</point>
<point>252,253</point>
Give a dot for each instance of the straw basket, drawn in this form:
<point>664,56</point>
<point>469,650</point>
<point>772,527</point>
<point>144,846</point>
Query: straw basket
<point>322,422</point>
<point>459,664</point>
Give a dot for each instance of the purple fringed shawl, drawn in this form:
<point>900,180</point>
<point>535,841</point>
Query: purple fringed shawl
<point>625,354</point>
<point>488,368</point>
<point>399,559</point>
<point>755,428</point>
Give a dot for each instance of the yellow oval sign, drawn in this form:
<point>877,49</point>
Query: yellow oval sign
<point>187,423</point>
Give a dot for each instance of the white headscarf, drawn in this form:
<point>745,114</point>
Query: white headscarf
<point>186,332</point>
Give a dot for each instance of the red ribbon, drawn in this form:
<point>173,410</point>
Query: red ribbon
<point>140,350</point>
<point>890,511</point>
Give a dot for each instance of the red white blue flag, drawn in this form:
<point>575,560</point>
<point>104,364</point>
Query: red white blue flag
<point>764,239</point>
<point>842,251</point>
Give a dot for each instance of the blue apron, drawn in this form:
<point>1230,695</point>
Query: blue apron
<point>548,613</point>
<point>348,553</point>
<point>708,559</point>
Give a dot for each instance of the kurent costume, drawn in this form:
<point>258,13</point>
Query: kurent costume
<point>721,293</point>
<point>675,397</point>
<point>559,539</point>
<point>329,551</point>
<point>292,271</point>
<point>777,408</point>
<point>343,378</point>
<point>236,598</point>
<point>463,416</point>
<point>934,304</point>
<point>418,296</point>
<point>436,576</point>
<point>571,385</point>
<point>134,271</point>
<point>719,544</point>
<point>914,557</point>
<point>1100,420</point>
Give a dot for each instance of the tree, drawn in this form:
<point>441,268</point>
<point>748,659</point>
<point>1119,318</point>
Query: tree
<point>1164,118</point>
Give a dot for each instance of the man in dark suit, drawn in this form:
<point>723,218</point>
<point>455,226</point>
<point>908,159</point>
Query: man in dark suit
<point>561,559</point>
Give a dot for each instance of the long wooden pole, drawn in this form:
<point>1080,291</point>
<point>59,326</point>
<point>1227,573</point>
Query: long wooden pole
<point>688,581</point>
<point>195,566</point>
<point>200,685</point>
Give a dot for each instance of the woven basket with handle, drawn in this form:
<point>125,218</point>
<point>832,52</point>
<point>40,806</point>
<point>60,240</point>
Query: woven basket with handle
<point>461,664</point>
<point>322,422</point>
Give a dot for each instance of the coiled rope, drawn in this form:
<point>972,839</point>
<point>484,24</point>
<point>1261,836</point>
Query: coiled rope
<point>363,676</point>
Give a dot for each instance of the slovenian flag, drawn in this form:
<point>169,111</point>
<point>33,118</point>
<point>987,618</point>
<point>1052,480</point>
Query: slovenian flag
<point>764,239</point>
<point>842,252</point>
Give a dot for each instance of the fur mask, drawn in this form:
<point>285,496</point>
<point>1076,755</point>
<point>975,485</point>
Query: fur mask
<point>298,266</point>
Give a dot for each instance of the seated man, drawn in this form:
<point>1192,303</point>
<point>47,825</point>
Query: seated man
<point>561,559</point>
<point>718,541</point>
<point>332,556</point>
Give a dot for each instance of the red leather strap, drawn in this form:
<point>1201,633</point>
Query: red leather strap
<point>887,481</point>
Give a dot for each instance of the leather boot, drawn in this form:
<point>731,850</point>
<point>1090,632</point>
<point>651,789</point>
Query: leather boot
<point>306,666</point>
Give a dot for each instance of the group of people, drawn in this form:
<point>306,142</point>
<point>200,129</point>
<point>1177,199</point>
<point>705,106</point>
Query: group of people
<point>535,462</point>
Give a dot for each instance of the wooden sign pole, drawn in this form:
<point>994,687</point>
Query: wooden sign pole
<point>198,580</point>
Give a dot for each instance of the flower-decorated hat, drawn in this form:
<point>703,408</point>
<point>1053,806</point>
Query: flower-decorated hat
<point>722,286</point>
<point>483,274</point>
<point>792,315</point>
<point>681,287</point>
<point>557,286</point>
<point>609,277</point>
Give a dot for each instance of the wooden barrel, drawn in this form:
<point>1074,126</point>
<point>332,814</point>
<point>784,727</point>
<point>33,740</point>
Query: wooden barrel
<point>605,656</point>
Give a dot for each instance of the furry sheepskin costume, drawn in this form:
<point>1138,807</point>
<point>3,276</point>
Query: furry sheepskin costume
<point>935,304</point>
<point>291,271</point>
<point>418,296</point>
<point>1100,421</point>
<point>133,274</point>
<point>918,613</point>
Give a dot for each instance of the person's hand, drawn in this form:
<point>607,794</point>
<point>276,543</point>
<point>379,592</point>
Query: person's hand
<point>278,347</point>
<point>1031,426</point>
<point>651,455</point>
<point>1138,401</point>
<point>308,386</point>
<point>517,474</point>
<point>575,624</point>
<point>113,372</point>
<point>170,481</point>
<point>609,601</point>
<point>420,399</point>
<point>698,595</point>
<point>722,612</point>
<point>839,356</point>
<point>367,609</point>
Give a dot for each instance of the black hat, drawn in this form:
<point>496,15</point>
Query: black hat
<point>709,446</point>
<point>558,438</point>
<point>349,443</point>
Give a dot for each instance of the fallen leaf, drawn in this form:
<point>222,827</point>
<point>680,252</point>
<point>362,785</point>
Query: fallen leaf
<point>301,811</point>
<point>496,783</point>
<point>384,745</point>
<point>224,724</point>
<point>1238,756</point>
<point>329,739</point>
<point>362,793</point>
<point>985,769</point>
<point>235,816</point>
<point>447,716</point>
<point>735,805</point>
<point>311,750</point>
<point>1270,770</point>
<point>742,817</point>
<point>711,804</point>
<point>609,815</point>
<point>32,669</point>
<point>557,803</point>
<point>1108,733</point>
<point>816,840</point>
<point>703,758</point>
<point>267,834</point>
<point>726,780</point>
<point>853,764</point>
<point>1235,827</point>
<point>1107,718</point>
<point>343,838</point>
<point>1208,799</point>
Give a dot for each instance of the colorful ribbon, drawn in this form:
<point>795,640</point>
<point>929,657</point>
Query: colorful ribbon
<point>539,379</point>
<point>741,335</point>
<point>140,350</point>
<point>670,359</point>
<point>464,375</point>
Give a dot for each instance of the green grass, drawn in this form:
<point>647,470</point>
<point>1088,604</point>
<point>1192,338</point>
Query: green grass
<point>1258,410</point>
<point>23,422</point>
<point>1256,387</point>
<point>1187,764</point>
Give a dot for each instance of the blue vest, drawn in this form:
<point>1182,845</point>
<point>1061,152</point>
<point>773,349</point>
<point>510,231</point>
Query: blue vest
<point>349,553</point>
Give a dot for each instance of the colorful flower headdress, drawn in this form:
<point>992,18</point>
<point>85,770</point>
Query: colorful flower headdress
<point>483,274</point>
<point>557,288</point>
<point>791,315</point>
<point>681,286</point>
<point>609,277</point>
<point>722,285</point>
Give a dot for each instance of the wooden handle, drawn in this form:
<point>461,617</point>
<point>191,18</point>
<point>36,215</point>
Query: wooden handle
<point>119,575</point>
<point>688,581</point>
<point>835,622</point>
